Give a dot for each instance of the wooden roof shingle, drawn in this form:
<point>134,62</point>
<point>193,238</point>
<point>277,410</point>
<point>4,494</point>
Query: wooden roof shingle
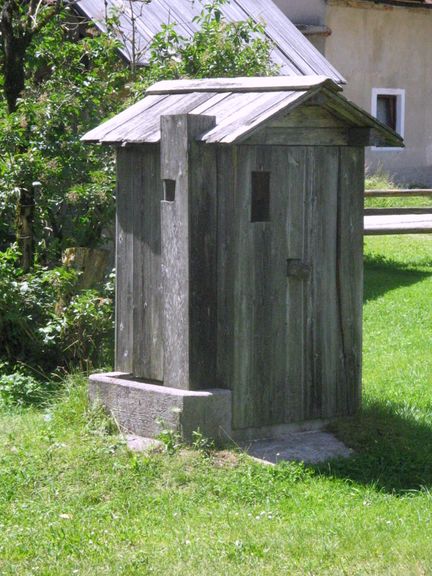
<point>240,106</point>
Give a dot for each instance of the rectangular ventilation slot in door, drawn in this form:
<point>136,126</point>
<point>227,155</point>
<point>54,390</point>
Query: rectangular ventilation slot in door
<point>169,188</point>
<point>260,200</point>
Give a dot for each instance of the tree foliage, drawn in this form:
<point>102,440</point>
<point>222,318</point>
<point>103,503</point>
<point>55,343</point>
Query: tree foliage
<point>74,79</point>
<point>56,192</point>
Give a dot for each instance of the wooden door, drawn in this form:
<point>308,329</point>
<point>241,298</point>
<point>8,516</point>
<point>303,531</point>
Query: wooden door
<point>297,285</point>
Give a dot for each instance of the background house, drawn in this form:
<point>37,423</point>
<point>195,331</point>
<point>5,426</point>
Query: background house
<point>384,50</point>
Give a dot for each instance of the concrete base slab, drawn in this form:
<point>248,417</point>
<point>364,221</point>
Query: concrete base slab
<point>146,410</point>
<point>309,447</point>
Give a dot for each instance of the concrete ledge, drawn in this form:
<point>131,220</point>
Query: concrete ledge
<point>147,409</point>
<point>278,430</point>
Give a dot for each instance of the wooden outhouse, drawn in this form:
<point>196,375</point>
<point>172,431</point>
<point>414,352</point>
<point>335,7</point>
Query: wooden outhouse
<point>239,254</point>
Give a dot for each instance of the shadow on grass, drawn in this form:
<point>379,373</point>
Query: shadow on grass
<point>392,449</point>
<point>383,275</point>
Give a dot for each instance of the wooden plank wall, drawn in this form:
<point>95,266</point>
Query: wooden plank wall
<point>289,290</point>
<point>203,259</point>
<point>350,276</point>
<point>322,337</point>
<point>139,347</point>
<point>124,264</point>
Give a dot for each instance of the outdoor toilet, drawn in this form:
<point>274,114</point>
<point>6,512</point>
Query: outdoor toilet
<point>239,256</point>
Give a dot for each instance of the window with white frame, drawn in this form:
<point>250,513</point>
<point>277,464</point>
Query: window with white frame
<point>388,106</point>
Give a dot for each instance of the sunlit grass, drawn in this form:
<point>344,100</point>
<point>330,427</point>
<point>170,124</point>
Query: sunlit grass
<point>74,500</point>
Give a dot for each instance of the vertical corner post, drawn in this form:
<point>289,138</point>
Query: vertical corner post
<point>188,223</point>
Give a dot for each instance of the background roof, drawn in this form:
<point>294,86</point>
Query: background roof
<point>293,52</point>
<point>406,3</point>
<point>239,105</point>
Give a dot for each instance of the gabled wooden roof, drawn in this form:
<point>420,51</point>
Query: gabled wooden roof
<point>239,105</point>
<point>295,55</point>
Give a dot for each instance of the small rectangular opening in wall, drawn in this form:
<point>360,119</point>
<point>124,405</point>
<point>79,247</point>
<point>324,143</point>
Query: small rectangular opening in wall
<point>260,198</point>
<point>169,190</point>
<point>388,106</point>
<point>387,110</point>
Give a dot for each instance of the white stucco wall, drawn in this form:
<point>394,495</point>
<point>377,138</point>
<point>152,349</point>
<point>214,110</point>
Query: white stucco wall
<point>387,47</point>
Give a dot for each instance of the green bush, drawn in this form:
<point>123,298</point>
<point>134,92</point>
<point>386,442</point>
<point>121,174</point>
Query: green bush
<point>84,331</point>
<point>20,389</point>
<point>46,325</point>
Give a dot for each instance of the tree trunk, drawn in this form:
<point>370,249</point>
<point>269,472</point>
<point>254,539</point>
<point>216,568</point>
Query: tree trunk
<point>24,227</point>
<point>14,47</point>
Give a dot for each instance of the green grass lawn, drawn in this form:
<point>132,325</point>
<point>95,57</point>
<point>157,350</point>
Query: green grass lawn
<point>73,500</point>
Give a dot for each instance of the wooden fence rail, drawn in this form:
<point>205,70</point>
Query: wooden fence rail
<point>395,193</point>
<point>401,219</point>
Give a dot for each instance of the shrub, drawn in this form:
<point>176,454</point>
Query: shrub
<point>46,325</point>
<point>21,389</point>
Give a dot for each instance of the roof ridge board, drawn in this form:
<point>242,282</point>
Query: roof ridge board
<point>243,84</point>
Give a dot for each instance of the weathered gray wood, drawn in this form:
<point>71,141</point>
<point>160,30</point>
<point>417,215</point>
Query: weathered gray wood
<point>397,193</point>
<point>399,224</point>
<point>144,211</point>
<point>308,116</point>
<point>268,300</point>
<point>362,137</point>
<point>203,258</point>
<point>290,355</point>
<point>220,288</point>
<point>293,176</point>
<point>252,116</point>
<point>139,347</point>
<point>300,137</point>
<point>267,333</point>
<point>247,114</point>
<point>227,191</point>
<point>322,341</point>
<point>101,131</point>
<point>349,283</point>
<point>124,264</point>
<point>241,114</point>
<point>297,268</point>
<point>400,220</point>
<point>397,211</point>
<point>175,252</point>
<point>245,84</point>
<point>305,58</point>
<point>146,128</point>
<point>243,309</point>
<point>353,114</point>
<point>189,254</point>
